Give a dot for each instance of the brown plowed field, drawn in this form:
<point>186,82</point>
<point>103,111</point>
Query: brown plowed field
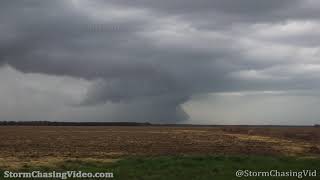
<point>28,142</point>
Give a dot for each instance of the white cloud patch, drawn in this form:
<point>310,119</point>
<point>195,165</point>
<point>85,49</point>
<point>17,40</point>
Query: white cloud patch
<point>263,108</point>
<point>37,96</point>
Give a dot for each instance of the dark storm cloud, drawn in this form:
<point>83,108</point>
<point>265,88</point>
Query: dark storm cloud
<point>215,13</point>
<point>154,55</point>
<point>243,7</point>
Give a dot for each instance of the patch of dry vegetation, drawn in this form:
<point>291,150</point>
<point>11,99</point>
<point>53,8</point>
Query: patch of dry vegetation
<point>43,143</point>
<point>52,162</point>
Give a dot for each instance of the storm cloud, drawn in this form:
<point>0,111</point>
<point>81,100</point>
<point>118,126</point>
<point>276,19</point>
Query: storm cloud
<point>143,60</point>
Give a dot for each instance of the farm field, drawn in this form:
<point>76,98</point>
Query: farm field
<point>21,145</point>
<point>183,167</point>
<point>159,152</point>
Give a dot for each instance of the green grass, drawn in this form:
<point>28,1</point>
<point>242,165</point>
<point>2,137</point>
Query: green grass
<point>188,167</point>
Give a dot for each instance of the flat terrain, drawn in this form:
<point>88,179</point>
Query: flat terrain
<point>160,152</point>
<point>35,143</point>
<point>184,167</point>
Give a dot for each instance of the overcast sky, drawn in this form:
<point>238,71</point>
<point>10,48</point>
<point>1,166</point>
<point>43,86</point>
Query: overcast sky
<point>171,61</point>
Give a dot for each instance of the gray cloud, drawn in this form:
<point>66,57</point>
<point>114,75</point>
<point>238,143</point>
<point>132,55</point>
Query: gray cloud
<point>148,58</point>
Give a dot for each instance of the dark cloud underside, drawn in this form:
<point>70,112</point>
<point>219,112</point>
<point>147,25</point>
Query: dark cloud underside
<point>148,58</point>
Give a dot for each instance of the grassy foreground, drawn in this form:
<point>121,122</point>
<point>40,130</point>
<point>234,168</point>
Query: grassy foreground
<point>186,167</point>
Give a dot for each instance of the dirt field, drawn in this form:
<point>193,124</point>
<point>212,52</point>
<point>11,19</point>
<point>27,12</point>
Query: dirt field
<point>32,143</point>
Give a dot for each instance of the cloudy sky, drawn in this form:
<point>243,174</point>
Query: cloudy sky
<point>170,61</point>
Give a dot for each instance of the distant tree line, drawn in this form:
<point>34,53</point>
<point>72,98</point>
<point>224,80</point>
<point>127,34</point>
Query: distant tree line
<point>49,123</point>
